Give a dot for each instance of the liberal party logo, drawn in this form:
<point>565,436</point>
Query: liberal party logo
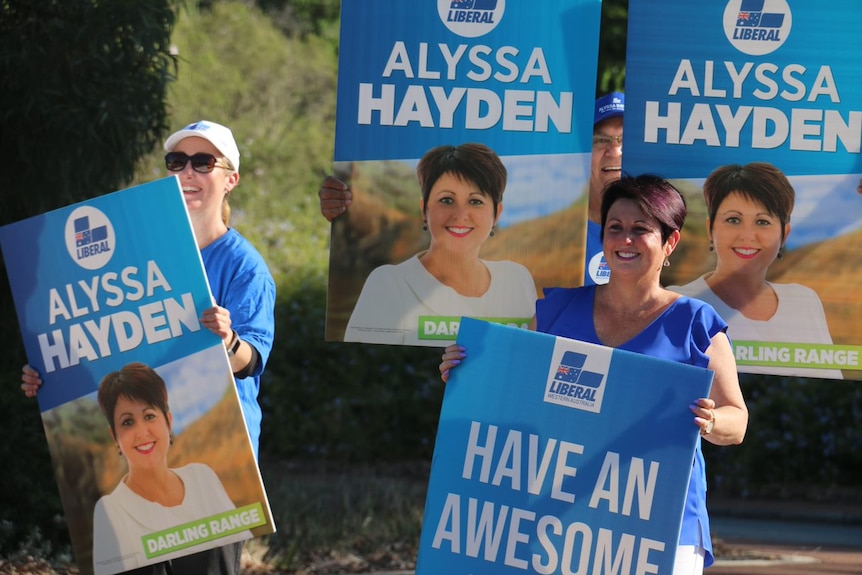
<point>573,386</point>
<point>471,18</point>
<point>757,27</point>
<point>598,269</point>
<point>89,237</point>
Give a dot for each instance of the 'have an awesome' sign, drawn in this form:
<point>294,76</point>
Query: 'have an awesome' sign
<point>557,456</point>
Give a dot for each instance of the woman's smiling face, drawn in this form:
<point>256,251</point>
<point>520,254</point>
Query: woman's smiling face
<point>143,432</point>
<point>746,236</point>
<point>632,240</point>
<point>458,215</point>
<point>204,193</point>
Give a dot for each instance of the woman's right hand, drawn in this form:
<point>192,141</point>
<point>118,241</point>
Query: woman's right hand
<point>30,381</point>
<point>335,197</point>
<point>452,356</point>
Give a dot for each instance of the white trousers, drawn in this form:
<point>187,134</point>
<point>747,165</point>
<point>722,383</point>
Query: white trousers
<point>689,560</point>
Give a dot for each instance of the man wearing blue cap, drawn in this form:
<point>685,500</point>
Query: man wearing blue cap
<point>605,167</point>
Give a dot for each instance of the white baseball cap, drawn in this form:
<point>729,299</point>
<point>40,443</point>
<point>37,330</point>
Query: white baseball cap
<point>218,135</point>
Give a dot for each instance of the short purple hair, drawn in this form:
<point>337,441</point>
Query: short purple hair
<point>654,195</point>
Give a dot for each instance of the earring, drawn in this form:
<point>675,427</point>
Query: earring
<point>492,232</point>
<point>425,227</point>
<point>119,451</point>
<point>666,263</point>
<point>780,255</point>
<point>711,247</point>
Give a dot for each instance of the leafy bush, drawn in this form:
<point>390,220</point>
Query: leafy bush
<point>804,441</point>
<point>343,401</point>
<point>83,97</point>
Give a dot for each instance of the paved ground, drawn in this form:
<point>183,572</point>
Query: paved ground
<point>780,538</point>
<point>791,560</point>
<point>786,539</point>
<point>753,538</point>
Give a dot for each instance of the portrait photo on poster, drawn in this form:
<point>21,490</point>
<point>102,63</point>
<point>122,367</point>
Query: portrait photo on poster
<point>458,233</point>
<point>160,463</point>
<point>774,253</point>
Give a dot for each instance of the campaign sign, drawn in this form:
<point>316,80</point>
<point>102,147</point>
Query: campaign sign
<point>558,456</point>
<point>712,85</point>
<point>518,77</point>
<point>109,293</point>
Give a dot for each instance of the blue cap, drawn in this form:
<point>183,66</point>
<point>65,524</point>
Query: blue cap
<point>609,106</point>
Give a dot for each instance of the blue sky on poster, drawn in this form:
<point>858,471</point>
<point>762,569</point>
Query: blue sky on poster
<point>541,185</point>
<point>195,384</point>
<point>826,207</point>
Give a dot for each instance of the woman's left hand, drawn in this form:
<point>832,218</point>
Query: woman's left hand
<point>452,356</point>
<point>217,320</point>
<point>704,414</point>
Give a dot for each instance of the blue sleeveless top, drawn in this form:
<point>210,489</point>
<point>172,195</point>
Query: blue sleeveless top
<point>682,333</point>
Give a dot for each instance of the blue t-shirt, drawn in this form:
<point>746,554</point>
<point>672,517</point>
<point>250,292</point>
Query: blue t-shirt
<point>682,333</point>
<point>240,282</point>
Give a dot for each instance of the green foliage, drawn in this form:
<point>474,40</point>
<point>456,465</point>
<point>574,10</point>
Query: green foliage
<point>83,79</point>
<point>365,510</point>
<point>29,499</point>
<point>612,47</point>
<point>278,97</point>
<point>804,441</point>
<point>301,17</point>
<point>84,84</point>
<point>341,401</point>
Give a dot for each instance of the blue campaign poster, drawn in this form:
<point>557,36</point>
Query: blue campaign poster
<point>747,83</point>
<point>108,294</point>
<point>518,77</point>
<point>558,456</point>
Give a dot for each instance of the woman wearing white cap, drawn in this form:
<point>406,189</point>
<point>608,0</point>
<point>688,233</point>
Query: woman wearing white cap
<point>205,157</point>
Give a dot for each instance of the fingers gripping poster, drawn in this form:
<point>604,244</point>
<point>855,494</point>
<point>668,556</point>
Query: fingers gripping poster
<point>463,130</point>
<point>752,111</point>
<point>109,293</point>
<point>558,456</point>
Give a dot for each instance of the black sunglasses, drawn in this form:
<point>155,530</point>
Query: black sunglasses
<point>203,163</point>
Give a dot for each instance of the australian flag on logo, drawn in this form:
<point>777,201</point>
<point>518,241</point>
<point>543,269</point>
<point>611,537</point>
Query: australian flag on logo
<point>571,371</point>
<point>85,236</point>
<point>473,5</point>
<point>82,231</point>
<point>751,15</point>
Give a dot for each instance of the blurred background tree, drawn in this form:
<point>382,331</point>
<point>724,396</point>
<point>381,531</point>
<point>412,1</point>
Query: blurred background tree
<point>84,93</point>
